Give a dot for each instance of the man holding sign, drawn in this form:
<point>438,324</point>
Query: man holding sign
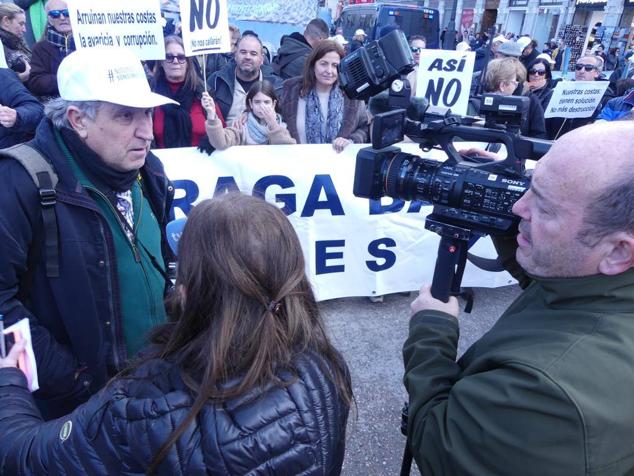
<point>576,104</point>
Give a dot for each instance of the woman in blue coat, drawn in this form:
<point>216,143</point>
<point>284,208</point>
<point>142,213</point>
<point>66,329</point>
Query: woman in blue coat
<point>242,380</point>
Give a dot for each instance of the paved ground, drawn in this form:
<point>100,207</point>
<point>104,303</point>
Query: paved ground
<point>370,337</point>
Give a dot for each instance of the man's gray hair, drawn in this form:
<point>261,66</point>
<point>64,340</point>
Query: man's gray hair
<point>55,110</point>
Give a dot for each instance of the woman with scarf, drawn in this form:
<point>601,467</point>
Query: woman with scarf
<point>181,125</point>
<point>12,28</point>
<point>263,124</point>
<point>316,109</point>
<point>49,52</point>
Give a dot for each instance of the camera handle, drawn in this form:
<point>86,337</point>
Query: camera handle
<point>452,259</point>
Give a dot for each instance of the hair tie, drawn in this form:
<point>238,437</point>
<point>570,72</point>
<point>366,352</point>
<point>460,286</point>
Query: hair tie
<point>274,306</point>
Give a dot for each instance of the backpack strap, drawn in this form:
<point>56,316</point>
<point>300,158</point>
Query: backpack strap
<point>45,179</point>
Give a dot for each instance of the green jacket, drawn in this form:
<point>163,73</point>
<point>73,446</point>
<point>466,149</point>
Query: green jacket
<point>549,390</point>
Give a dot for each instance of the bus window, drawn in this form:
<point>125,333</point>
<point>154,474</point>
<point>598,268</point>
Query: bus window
<point>353,20</point>
<point>413,22</point>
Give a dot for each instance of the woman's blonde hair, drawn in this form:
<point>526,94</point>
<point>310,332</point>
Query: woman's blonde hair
<point>503,69</point>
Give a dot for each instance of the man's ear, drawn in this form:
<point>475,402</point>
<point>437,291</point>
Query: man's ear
<point>77,121</point>
<point>619,255</point>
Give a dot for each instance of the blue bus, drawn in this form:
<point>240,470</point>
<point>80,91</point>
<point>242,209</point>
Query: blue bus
<point>411,19</point>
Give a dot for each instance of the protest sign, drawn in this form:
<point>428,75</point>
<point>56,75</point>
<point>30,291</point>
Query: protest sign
<point>3,60</point>
<point>444,78</point>
<point>572,99</point>
<point>353,246</point>
<point>123,24</point>
<point>205,25</point>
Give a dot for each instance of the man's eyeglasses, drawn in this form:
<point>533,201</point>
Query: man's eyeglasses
<point>175,58</point>
<point>415,49</point>
<point>587,67</point>
<point>538,72</point>
<point>58,13</point>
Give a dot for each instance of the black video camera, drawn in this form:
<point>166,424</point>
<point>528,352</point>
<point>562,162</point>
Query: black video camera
<point>472,197</point>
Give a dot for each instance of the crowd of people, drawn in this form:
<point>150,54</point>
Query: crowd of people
<point>228,368</point>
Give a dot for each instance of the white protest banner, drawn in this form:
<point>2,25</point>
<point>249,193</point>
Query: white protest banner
<point>120,23</point>
<point>444,78</point>
<point>205,25</point>
<point>353,246</point>
<point>575,98</point>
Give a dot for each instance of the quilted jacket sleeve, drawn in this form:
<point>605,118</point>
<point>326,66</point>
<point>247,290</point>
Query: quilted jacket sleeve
<point>83,442</point>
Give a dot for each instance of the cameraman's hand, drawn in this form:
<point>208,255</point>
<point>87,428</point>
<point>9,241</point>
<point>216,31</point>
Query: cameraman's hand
<point>11,360</point>
<point>425,301</point>
<point>475,152</point>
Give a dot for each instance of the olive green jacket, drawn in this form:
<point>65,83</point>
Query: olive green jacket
<point>549,390</point>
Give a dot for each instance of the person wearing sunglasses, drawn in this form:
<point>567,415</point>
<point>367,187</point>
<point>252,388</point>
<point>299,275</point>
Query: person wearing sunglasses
<point>539,80</point>
<point>182,124</point>
<point>417,43</point>
<point>506,76</point>
<point>587,68</point>
<point>49,52</point>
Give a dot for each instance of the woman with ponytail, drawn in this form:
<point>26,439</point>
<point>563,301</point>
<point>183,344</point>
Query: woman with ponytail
<point>242,380</point>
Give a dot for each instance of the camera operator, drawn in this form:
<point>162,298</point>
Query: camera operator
<point>548,389</point>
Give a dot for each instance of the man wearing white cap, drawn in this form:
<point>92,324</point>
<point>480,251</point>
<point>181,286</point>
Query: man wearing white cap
<point>358,40</point>
<point>85,259</point>
<point>529,50</point>
<point>483,56</point>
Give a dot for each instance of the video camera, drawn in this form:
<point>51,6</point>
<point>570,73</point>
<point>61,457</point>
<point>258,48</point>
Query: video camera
<point>472,197</point>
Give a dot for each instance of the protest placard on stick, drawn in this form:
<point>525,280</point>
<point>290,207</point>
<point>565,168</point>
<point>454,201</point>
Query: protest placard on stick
<point>136,25</point>
<point>444,78</point>
<point>572,99</point>
<point>205,26</point>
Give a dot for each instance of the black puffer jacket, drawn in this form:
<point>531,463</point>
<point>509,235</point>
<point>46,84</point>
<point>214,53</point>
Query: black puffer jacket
<point>296,430</point>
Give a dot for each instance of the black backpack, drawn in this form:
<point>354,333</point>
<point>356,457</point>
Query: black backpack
<point>45,179</point>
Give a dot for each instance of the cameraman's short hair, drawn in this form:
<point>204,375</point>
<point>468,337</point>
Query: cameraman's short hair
<point>610,211</point>
<point>317,28</point>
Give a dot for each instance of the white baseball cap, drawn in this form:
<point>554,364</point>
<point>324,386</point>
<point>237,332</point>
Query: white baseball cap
<point>546,57</point>
<point>339,39</point>
<point>524,42</point>
<point>360,32</point>
<point>113,75</point>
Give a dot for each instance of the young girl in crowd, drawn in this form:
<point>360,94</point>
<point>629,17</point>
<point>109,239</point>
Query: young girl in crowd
<point>181,125</point>
<point>242,380</point>
<point>316,109</point>
<point>263,124</point>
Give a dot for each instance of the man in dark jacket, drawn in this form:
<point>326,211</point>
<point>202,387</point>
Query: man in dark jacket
<point>111,207</point>
<point>294,49</point>
<point>548,389</point>
<point>230,85</point>
<point>20,112</point>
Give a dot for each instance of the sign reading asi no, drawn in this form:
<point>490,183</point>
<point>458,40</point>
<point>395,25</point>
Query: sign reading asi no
<point>444,78</point>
